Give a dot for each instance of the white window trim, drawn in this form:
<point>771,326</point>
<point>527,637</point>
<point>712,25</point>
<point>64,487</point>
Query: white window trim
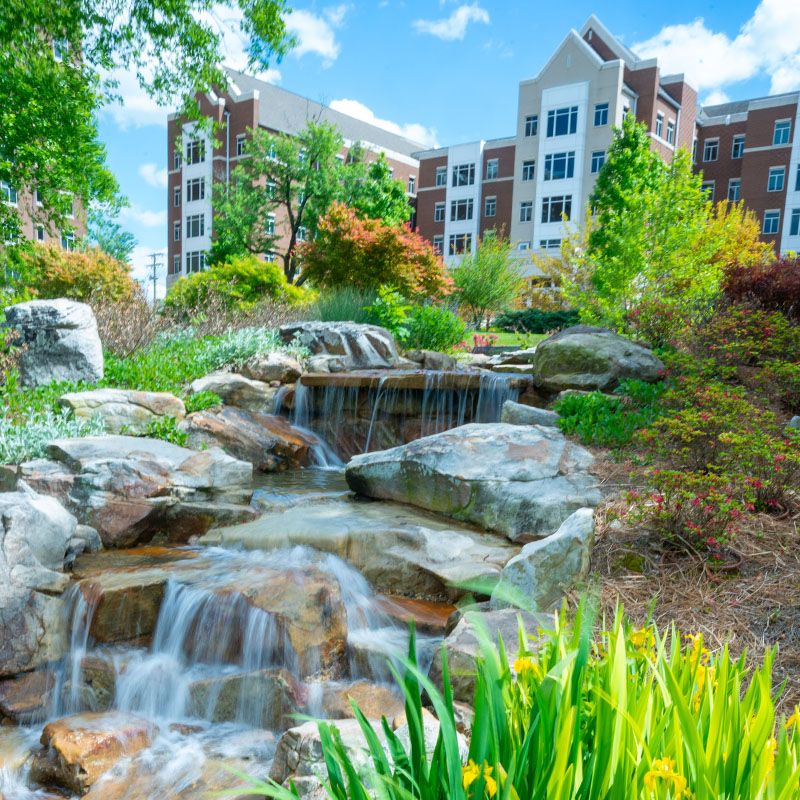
<point>764,232</point>
<point>782,168</point>
<point>705,144</point>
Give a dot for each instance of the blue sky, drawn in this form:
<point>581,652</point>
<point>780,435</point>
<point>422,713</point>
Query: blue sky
<point>447,71</point>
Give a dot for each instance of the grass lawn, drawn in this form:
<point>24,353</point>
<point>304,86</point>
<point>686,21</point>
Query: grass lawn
<point>505,339</point>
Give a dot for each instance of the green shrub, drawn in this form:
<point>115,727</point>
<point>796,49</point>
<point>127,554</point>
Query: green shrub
<point>596,418</point>
<point>534,320</point>
<point>23,442</point>
<point>434,328</point>
<point>390,311</point>
<point>201,401</point>
<point>166,428</point>
<point>781,380</point>
<point>630,716</point>
<point>343,304</point>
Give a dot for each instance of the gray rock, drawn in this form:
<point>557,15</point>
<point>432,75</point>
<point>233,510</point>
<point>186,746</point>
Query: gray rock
<point>360,346</point>
<point>589,358</point>
<point>431,359</point>
<point>90,538</point>
<point>236,390</point>
<point>325,364</point>
<point>62,341</point>
<point>520,481</point>
<point>518,357</point>
<point>545,570</point>
<point>273,367</point>
<point>124,409</point>
<point>518,414</point>
<point>793,424</point>
<point>35,532</point>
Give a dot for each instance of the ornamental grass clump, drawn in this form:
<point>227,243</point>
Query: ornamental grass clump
<point>628,715</point>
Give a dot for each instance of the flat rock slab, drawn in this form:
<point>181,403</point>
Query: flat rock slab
<point>520,481</point>
<point>519,414</point>
<point>237,390</point>
<point>392,545</point>
<point>124,410</point>
<point>418,380</point>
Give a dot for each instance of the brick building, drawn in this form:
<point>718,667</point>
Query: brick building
<point>524,183</point>
<point>250,103</point>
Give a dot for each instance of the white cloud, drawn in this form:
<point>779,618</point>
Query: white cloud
<point>315,34</point>
<point>155,177</point>
<point>413,130</point>
<point>144,216</point>
<point>768,42</point>
<point>141,270</point>
<point>137,107</point>
<point>715,98</point>
<point>455,26</point>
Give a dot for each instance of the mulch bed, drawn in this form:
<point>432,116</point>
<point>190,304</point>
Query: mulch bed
<point>752,604</point>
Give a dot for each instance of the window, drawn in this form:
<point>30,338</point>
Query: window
<point>558,166</point>
<point>438,244</point>
<point>491,169</point>
<point>490,207</point>
<point>734,187</point>
<point>195,152</point>
<point>737,150</point>
<point>40,233</point>
<point>441,176</point>
<point>600,115</point>
<point>302,233</point>
<point>68,241</point>
<point>270,188</point>
<point>526,211</point>
<point>797,179</point>
<point>598,159</point>
<point>708,188</point>
<point>195,225</point>
<point>195,189</point>
<point>549,244</point>
<point>301,156</point>
<point>532,125</point>
<point>694,150</point>
<point>562,121</point>
<point>176,231</point>
<point>528,169</point>
<point>240,140</point>
<point>464,175</point>
<point>460,243</point>
<point>270,226</point>
<point>176,160</point>
<point>776,178</point>
<point>782,130</point>
<point>461,209</point>
<point>523,245</point>
<point>271,151</point>
<point>794,225</point>
<point>438,212</point>
<point>176,264</point>
<point>60,49</point>
<point>176,196</point>
<point>271,257</point>
<point>659,125</point>
<point>339,160</point>
<point>554,207</point>
<point>8,193</point>
<point>412,184</point>
<point>711,150</point>
<point>772,221</point>
<point>671,132</point>
<point>195,261</point>
<point>39,197</point>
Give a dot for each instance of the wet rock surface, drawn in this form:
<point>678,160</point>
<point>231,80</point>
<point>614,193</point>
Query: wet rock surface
<point>520,481</point>
<point>355,346</point>
<point>124,410</point>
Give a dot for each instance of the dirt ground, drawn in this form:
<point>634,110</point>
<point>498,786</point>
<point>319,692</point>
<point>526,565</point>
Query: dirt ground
<point>751,607</point>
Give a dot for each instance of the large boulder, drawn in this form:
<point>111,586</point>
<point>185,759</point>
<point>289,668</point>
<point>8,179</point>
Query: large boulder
<point>35,532</point>
<point>124,409</point>
<point>355,346</point>
<point>274,366</point>
<point>236,390</point>
<point>62,341</point>
<point>268,442</point>
<point>544,571</point>
<point>520,481</point>
<point>519,414</point>
<point>432,360</point>
<point>589,358</point>
<point>131,489</point>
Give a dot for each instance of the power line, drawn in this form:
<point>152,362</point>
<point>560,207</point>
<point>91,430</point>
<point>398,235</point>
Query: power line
<point>155,267</point>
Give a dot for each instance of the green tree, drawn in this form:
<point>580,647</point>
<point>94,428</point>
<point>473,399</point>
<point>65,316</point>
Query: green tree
<point>488,279</point>
<point>109,236</point>
<point>278,195</point>
<point>55,62</point>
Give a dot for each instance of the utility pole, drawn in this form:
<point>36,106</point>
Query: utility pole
<point>155,266</point>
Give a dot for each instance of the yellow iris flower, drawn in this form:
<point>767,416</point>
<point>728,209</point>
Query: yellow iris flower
<point>471,772</point>
<point>664,769</point>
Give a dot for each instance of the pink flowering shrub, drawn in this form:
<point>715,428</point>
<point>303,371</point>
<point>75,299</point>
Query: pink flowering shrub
<point>487,340</point>
<point>656,322</point>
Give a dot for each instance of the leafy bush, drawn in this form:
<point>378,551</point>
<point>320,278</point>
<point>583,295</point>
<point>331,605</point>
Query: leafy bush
<point>633,716</point>
<point>201,401</point>
<point>365,253</point>
<point>23,442</point>
<point>773,284</point>
<point>781,379</point>
<point>434,328</point>
<point>657,322</point>
<point>49,271</point>
<point>240,282</point>
<point>534,320</point>
<point>166,428</point>
<point>343,304</point>
<point>596,418</point>
<point>390,311</point>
